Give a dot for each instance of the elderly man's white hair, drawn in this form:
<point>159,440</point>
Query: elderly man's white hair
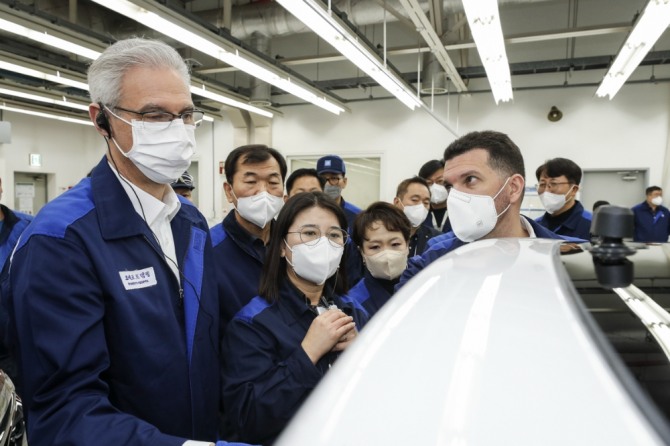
<point>106,72</point>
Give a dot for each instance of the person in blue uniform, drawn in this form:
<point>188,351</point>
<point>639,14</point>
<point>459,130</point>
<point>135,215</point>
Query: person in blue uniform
<point>279,346</point>
<point>113,309</point>
<point>413,198</point>
<point>652,219</point>
<point>303,180</point>
<point>557,185</point>
<point>438,218</point>
<point>12,224</point>
<point>382,234</point>
<point>485,175</point>
<point>334,172</point>
<point>255,186</point>
<point>184,186</point>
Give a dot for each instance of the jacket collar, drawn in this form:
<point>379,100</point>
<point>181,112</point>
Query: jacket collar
<point>116,214</point>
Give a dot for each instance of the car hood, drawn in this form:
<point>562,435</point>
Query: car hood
<point>485,346</point>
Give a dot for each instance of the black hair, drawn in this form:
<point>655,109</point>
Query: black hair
<point>252,154</point>
<point>429,168</point>
<point>504,156</point>
<point>274,267</point>
<point>556,167</point>
<point>651,189</point>
<point>303,172</point>
<point>404,185</point>
<point>391,217</point>
<point>599,203</point>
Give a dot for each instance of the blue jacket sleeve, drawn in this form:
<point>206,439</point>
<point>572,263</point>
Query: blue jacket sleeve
<point>54,287</point>
<point>262,390</point>
<point>414,265</point>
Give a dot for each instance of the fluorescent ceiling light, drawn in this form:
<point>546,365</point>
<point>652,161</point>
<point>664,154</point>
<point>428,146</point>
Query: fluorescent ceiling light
<point>44,37</point>
<point>56,78</point>
<point>48,39</point>
<point>64,102</point>
<point>649,27</point>
<point>484,20</point>
<point>325,24</point>
<point>44,115</point>
<point>153,16</point>
<point>202,91</point>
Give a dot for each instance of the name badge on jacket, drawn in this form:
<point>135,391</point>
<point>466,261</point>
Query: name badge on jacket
<point>140,278</point>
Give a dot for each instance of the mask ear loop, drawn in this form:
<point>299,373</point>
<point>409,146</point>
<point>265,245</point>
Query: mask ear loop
<point>496,196</point>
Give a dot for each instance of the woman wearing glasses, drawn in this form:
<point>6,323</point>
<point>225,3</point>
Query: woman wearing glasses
<point>279,346</point>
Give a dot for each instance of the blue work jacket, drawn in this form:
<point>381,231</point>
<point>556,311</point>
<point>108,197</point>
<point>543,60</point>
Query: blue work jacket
<point>650,226</point>
<point>113,349</point>
<point>442,244</point>
<point>267,375</point>
<point>354,266</point>
<point>238,263</point>
<point>578,224</point>
<point>12,227</point>
<point>372,293</point>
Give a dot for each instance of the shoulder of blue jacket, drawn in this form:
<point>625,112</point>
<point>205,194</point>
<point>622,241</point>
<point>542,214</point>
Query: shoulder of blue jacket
<point>252,309</point>
<point>352,207</point>
<point>59,214</point>
<point>218,233</point>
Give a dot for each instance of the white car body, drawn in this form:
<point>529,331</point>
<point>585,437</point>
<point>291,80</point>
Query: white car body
<point>485,346</point>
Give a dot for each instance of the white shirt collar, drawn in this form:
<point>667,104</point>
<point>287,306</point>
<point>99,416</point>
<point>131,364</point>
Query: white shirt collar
<point>149,207</point>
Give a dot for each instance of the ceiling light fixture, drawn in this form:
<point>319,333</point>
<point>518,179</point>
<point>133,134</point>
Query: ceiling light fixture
<point>209,94</point>
<point>44,74</point>
<point>44,37</point>
<point>34,97</point>
<point>48,39</point>
<point>328,26</point>
<point>649,27</point>
<point>4,106</point>
<point>484,20</point>
<point>172,25</point>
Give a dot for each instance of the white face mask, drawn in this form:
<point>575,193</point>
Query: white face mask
<point>553,202</point>
<point>657,201</point>
<point>388,264</point>
<point>259,209</point>
<point>161,154</point>
<point>416,213</point>
<point>315,263</point>
<point>438,193</point>
<point>473,216</point>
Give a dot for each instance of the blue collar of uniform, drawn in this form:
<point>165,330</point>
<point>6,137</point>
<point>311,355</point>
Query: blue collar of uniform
<point>292,303</point>
<point>249,243</point>
<point>542,232</point>
<point>116,213</point>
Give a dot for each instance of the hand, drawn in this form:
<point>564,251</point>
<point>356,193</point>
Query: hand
<point>346,339</point>
<point>326,330</point>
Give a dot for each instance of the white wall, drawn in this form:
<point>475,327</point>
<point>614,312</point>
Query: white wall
<point>629,132</point>
<point>69,151</point>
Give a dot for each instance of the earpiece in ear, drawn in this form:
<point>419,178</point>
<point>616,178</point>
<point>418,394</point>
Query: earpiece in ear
<point>103,123</point>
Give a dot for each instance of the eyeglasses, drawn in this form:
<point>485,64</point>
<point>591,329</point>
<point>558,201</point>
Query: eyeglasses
<point>550,185</point>
<point>332,180</point>
<point>190,117</point>
<point>310,235</point>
